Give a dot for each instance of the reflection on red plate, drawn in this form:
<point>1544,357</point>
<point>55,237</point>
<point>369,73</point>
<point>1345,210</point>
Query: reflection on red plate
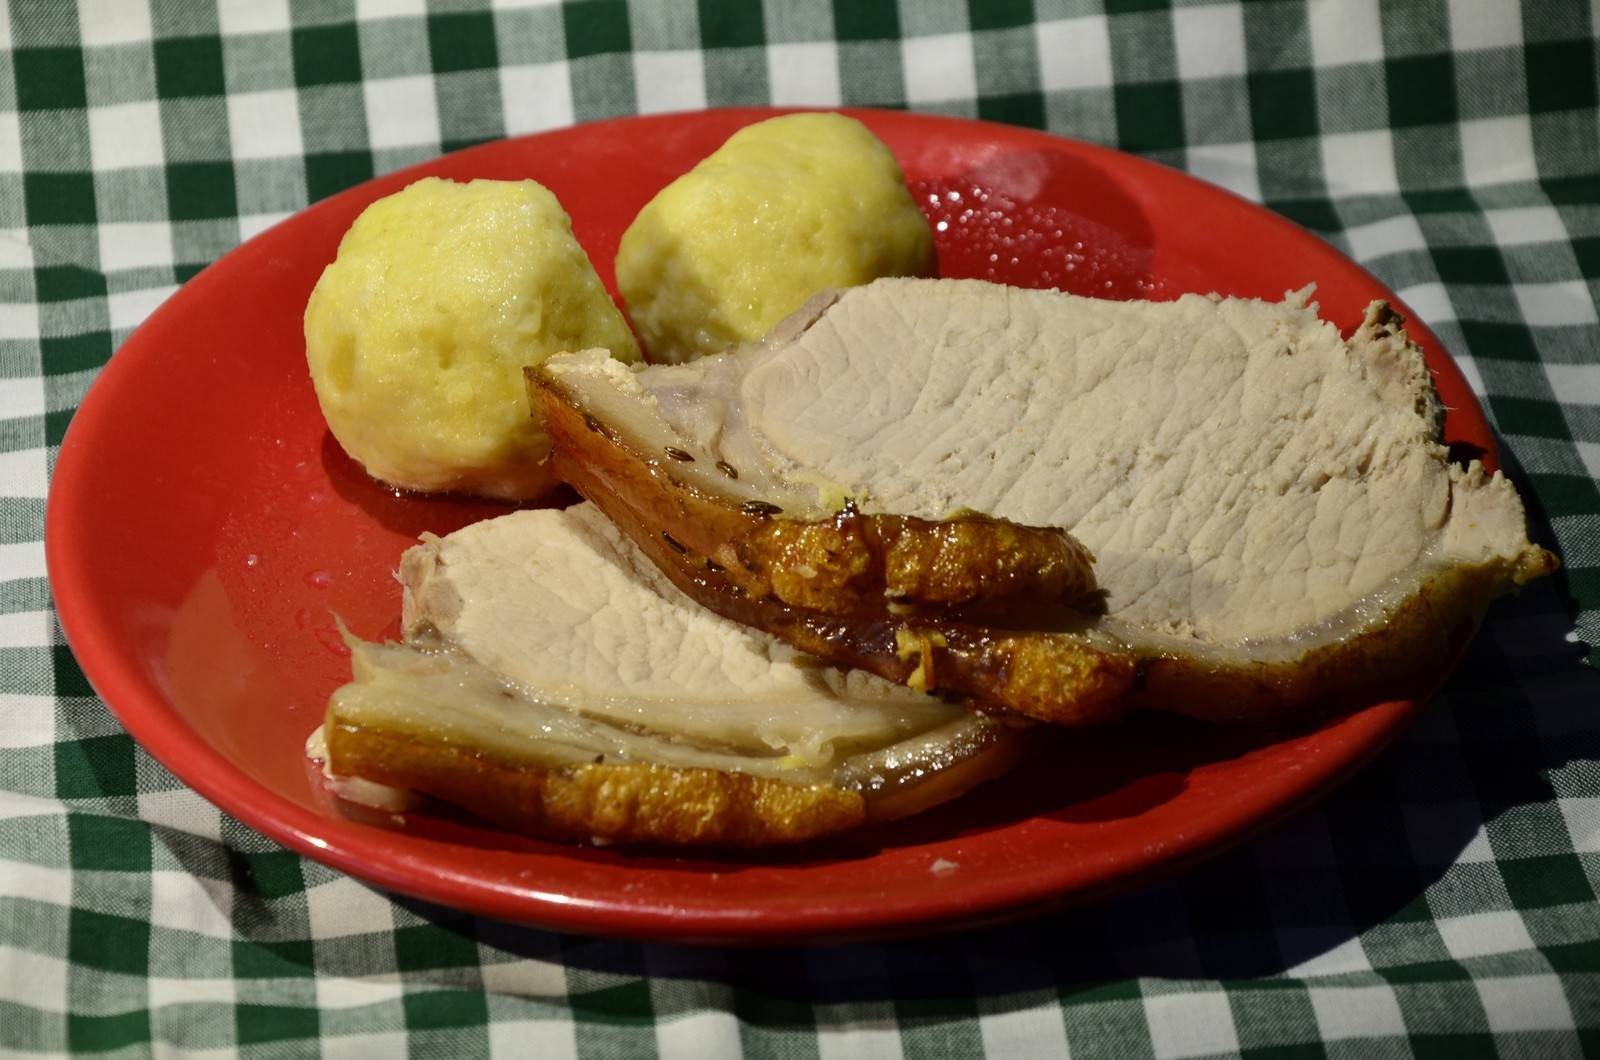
<point>203,530</point>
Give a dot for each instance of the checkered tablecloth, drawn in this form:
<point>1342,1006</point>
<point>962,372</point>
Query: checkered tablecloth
<point>1442,905</point>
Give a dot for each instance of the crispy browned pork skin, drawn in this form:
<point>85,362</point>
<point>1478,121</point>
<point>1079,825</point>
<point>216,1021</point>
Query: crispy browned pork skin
<point>1276,524</point>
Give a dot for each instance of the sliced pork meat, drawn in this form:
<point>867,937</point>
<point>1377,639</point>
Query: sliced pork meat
<point>554,681</point>
<point>1275,523</point>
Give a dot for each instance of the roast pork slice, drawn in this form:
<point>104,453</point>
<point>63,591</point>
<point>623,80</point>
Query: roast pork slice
<point>1275,523</point>
<point>553,680</point>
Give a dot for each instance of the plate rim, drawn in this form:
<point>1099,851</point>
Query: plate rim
<point>116,676</point>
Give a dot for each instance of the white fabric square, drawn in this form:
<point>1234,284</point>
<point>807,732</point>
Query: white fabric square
<point>128,309</point>
<point>1232,166</point>
<point>253,224</point>
<point>188,991</point>
<point>852,1032</point>
<point>1209,41</point>
<point>698,1035</point>
<point>15,250</point>
<point>1033,1029</point>
<point>25,559</point>
<point>19,320</point>
<point>402,112</point>
<point>804,74</point>
<point>939,68</point>
<point>1345,957</point>
<point>182,811</point>
<point>191,903</point>
<point>125,135</point>
<point>1074,53</point>
<point>126,245</point>
<point>23,473</point>
<point>1526,224</point>
<point>20,397</point>
<point>1525,1003</point>
<point>1589,453</point>
<point>36,980</point>
<point>19,879</point>
<point>1190,1025</point>
<point>238,17</point>
<point>511,5</point>
<point>1583,815</point>
<point>1477,24</point>
<point>264,124</point>
<point>1345,1012</point>
<point>27,721</point>
<point>391,1045</point>
<point>23,629</point>
<point>536,97</point>
<point>113,21</point>
<point>1430,301</point>
<point>10,143</point>
<point>1496,150</point>
<point>525,978</point>
<point>1360,163</point>
<point>1555,304</point>
<point>1344,31</point>
<point>1389,236</point>
<point>1482,934</point>
<point>372,10</point>
<point>545,1039</point>
<point>349,992</point>
<point>344,907</point>
<point>668,81</point>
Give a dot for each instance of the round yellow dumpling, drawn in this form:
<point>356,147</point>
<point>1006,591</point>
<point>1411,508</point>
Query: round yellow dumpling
<point>785,208</point>
<point>418,332</point>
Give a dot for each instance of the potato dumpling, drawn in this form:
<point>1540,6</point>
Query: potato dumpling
<point>785,208</point>
<point>418,332</point>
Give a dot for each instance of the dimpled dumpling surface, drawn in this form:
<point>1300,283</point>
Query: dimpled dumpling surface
<point>417,333</point>
<point>783,209</point>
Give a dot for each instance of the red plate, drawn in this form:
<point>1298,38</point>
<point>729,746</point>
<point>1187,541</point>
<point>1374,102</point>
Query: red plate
<point>203,530</point>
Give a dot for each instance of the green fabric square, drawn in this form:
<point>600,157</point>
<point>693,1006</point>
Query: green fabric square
<point>1470,265</point>
<point>1453,1047</point>
<point>1022,108</point>
<point>268,873</point>
<point>64,283</point>
<point>1565,495</point>
<point>113,844</point>
<point>75,353</point>
<point>1315,214</point>
<point>1507,342</point>
<point>462,42</point>
<point>1561,75</point>
<point>104,1034</point>
<point>335,171</point>
<point>55,425</point>
<point>326,55</point>
<point>999,14</point>
<point>1529,416</point>
<point>95,767</point>
<point>1555,879</point>
<point>1129,7</point>
<point>200,190</point>
<point>289,959</point>
<point>1576,958</point>
<point>596,27</point>
<point>866,20</point>
<point>68,676</point>
<point>438,1009</point>
<point>111,943</point>
<point>1149,116</point>
<point>49,78</point>
<point>625,1003</point>
<point>1303,1051</point>
<point>59,198</point>
<point>189,66</point>
<point>725,25</point>
<point>1283,104</point>
<point>425,947</point>
<point>275,1023</point>
<point>1422,90</point>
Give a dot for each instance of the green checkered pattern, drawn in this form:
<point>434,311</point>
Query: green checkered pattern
<point>1442,905</point>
